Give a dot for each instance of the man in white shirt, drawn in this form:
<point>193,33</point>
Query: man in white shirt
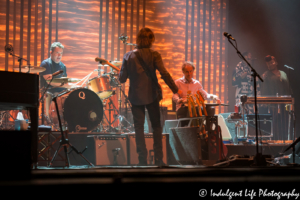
<point>185,84</point>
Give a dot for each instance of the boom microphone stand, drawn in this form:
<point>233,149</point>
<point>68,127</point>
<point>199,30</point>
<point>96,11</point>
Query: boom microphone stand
<point>259,160</point>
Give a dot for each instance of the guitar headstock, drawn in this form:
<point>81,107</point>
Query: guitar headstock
<point>200,96</point>
<point>101,60</point>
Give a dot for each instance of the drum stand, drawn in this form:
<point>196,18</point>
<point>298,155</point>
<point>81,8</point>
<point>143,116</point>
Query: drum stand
<point>65,142</point>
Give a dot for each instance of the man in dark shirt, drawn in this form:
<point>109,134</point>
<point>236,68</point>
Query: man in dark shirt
<point>143,92</point>
<point>53,64</point>
<point>276,83</point>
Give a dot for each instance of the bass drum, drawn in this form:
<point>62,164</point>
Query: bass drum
<point>81,110</point>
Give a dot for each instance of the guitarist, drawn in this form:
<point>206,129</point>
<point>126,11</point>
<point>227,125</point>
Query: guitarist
<point>187,83</point>
<point>140,67</point>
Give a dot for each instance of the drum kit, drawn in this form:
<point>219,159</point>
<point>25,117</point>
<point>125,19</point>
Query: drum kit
<point>82,103</point>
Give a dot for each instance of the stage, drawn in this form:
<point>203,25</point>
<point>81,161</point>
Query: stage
<point>149,181</point>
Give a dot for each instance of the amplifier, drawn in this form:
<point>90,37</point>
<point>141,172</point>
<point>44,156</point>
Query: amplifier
<point>265,125</point>
<point>149,146</point>
<point>111,150</point>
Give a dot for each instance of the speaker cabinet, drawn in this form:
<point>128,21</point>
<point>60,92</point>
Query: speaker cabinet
<point>186,145</point>
<point>16,155</point>
<point>111,150</point>
<point>149,146</point>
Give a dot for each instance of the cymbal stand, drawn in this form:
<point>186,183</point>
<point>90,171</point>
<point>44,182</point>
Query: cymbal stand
<point>65,142</point>
<point>121,117</point>
<point>110,127</point>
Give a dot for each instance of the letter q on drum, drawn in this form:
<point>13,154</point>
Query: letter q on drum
<point>81,95</point>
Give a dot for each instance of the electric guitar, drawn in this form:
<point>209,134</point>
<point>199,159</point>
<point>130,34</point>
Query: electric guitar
<point>103,62</point>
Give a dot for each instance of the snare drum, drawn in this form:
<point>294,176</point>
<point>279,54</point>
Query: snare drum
<point>81,110</point>
<point>101,86</point>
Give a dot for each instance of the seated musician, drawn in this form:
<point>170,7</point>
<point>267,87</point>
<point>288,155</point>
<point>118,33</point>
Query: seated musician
<point>187,83</point>
<point>53,64</point>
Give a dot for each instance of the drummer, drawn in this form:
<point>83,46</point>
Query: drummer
<point>187,83</point>
<point>53,64</point>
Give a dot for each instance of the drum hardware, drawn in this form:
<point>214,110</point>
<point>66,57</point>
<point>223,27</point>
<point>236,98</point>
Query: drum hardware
<point>110,110</point>
<point>101,86</point>
<point>115,83</point>
<point>65,142</point>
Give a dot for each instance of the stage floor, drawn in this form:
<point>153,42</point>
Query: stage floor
<point>150,181</point>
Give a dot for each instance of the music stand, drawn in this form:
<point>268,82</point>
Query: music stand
<point>65,142</point>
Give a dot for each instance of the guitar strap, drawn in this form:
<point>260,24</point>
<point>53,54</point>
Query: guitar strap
<point>146,69</point>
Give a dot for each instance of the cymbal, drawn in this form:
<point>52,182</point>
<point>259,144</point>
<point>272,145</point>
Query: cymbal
<point>116,63</point>
<point>64,80</point>
<point>33,69</point>
<point>216,104</point>
<point>66,86</point>
<point>110,74</point>
<point>99,70</point>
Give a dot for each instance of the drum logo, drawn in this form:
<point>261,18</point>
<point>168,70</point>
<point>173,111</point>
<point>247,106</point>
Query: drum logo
<point>78,128</point>
<point>81,95</point>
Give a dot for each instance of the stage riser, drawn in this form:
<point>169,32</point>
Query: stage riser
<point>80,141</point>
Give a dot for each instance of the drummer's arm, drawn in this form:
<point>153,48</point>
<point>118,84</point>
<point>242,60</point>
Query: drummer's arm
<point>43,82</point>
<point>123,73</point>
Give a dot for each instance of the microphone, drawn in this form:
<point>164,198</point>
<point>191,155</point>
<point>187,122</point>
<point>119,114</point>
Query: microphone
<point>9,48</point>
<point>228,36</point>
<point>289,67</point>
<point>57,73</point>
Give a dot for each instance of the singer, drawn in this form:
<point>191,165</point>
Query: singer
<point>140,66</point>
<point>52,65</point>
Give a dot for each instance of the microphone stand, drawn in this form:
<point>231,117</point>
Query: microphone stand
<point>258,159</point>
<point>20,61</point>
